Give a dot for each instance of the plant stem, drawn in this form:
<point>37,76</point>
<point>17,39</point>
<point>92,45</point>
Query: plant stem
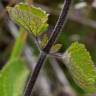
<point>46,50</point>
<point>19,44</point>
<point>34,75</point>
<point>58,26</point>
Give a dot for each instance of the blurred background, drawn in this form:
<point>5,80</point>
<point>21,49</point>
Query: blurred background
<point>54,79</point>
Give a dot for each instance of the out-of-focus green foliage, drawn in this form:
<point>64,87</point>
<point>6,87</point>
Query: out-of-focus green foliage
<point>13,78</point>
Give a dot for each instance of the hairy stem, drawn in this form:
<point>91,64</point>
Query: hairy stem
<point>46,50</point>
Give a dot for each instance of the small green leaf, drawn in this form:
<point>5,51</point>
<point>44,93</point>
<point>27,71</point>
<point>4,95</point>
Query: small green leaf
<point>44,41</point>
<point>13,78</point>
<point>55,48</point>
<point>81,66</point>
<point>31,18</point>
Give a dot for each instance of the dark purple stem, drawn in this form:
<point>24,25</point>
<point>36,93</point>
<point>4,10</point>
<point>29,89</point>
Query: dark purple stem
<point>55,33</point>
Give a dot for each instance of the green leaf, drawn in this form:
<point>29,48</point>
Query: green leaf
<point>13,78</point>
<point>55,48</point>
<point>44,41</point>
<point>81,66</point>
<point>31,18</point>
